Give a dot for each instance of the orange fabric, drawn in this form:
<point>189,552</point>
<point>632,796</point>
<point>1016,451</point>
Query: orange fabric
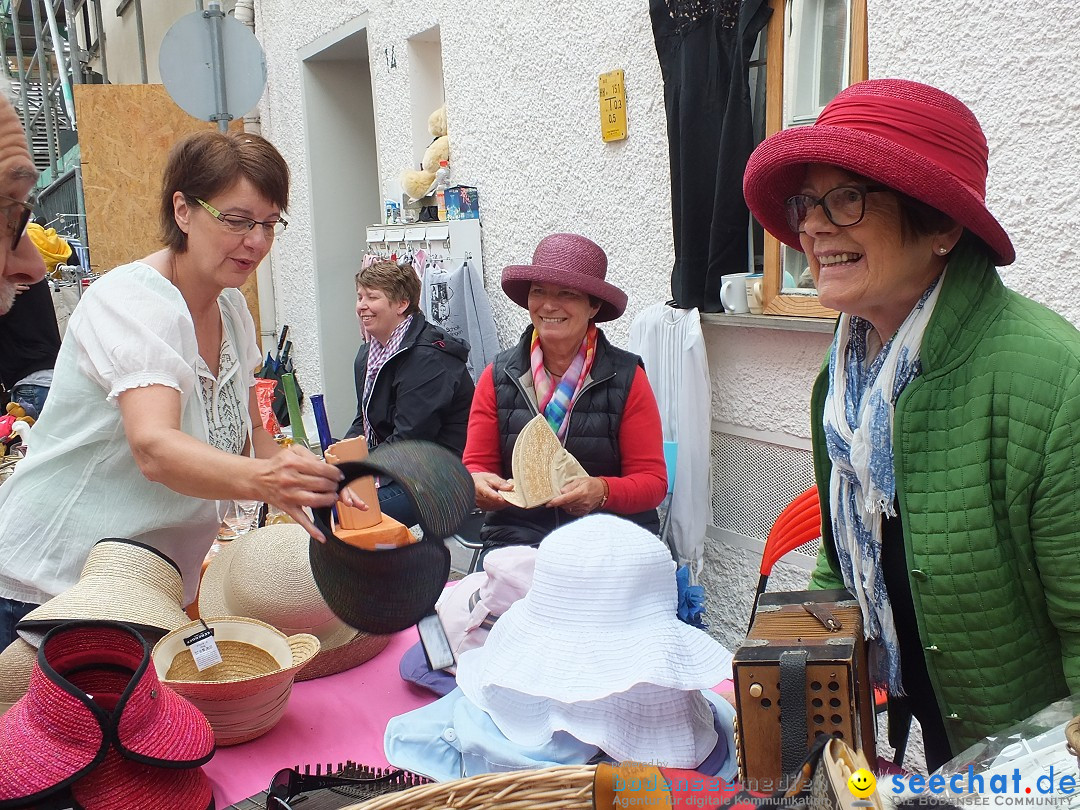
<point>630,784</point>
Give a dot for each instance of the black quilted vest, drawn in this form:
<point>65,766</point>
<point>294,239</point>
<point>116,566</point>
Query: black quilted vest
<point>592,437</point>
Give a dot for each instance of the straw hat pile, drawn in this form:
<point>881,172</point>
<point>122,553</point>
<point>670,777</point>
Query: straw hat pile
<point>122,581</point>
<point>96,729</point>
<point>266,575</point>
<point>245,695</point>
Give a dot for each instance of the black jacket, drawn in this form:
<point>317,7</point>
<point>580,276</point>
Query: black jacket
<point>29,337</point>
<point>423,391</point>
<point>592,437</point>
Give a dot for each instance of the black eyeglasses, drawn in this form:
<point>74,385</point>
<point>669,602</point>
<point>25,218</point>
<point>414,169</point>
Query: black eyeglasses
<point>844,206</point>
<point>238,224</point>
<point>17,224</point>
<point>288,783</point>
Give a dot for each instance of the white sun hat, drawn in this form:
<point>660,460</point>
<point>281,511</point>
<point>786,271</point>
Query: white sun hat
<point>598,637</point>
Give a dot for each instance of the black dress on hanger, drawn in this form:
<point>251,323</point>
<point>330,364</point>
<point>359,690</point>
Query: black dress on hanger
<point>704,48</point>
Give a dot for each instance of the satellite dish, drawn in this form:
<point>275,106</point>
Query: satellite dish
<point>187,64</point>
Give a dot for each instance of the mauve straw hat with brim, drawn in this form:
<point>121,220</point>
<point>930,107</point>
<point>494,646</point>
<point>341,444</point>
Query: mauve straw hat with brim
<point>266,575</point>
<point>387,590</point>
<point>908,136</point>
<point>122,581</point>
<point>597,638</point>
<point>93,689</point>
<point>246,694</point>
<point>566,260</point>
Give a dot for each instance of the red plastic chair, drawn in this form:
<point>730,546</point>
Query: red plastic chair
<point>798,523</point>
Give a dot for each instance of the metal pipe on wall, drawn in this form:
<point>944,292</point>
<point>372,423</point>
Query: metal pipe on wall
<point>74,51</point>
<point>99,26</point>
<point>142,41</point>
<point>24,102</point>
<point>62,63</point>
<point>43,83</point>
<point>264,274</point>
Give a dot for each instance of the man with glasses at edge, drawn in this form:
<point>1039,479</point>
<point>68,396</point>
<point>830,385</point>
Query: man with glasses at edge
<point>152,427</point>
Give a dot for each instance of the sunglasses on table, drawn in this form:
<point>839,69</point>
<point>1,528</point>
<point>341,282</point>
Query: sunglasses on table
<point>289,783</point>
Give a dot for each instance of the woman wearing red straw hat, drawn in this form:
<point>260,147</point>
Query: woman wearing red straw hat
<point>151,423</point>
<point>944,420</point>
<point>595,397</point>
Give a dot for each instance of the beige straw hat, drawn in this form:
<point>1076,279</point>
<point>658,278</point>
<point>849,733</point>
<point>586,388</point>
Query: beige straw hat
<point>266,575</point>
<point>245,695</point>
<point>121,581</point>
<point>16,664</point>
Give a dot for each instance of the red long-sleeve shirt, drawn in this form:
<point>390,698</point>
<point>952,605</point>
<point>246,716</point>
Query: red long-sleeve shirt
<point>643,483</point>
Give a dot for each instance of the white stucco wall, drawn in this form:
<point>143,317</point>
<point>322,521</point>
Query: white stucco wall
<point>520,85</point>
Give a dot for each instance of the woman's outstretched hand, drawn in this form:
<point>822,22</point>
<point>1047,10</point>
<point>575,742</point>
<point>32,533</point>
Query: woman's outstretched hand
<point>296,478</point>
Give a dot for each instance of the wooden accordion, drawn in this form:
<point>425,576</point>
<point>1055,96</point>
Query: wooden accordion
<point>801,672</point>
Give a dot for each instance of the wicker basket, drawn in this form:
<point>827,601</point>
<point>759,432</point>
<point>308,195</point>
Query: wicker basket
<point>566,787</point>
<point>1072,738</point>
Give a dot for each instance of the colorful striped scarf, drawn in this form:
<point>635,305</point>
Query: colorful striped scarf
<point>555,401</point>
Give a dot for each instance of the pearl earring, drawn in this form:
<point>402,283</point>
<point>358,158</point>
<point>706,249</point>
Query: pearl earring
<point>942,250</point>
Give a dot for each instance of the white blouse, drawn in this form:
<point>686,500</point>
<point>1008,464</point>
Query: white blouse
<point>79,482</point>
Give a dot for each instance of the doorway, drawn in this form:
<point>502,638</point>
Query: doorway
<point>343,161</point>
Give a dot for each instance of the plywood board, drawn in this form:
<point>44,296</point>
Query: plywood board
<point>125,134</point>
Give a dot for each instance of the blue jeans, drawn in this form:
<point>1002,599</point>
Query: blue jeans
<point>394,502</point>
<point>11,613</point>
<point>31,397</point>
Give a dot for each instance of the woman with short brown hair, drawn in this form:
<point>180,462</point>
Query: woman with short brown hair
<point>151,426</point>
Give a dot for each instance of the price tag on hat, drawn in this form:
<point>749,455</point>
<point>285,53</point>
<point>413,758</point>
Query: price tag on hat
<point>203,648</point>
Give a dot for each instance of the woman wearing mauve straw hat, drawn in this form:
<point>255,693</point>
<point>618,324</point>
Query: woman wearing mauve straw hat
<point>944,420</point>
<point>595,397</point>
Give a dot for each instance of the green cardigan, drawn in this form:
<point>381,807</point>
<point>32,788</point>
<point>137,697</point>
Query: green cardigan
<point>987,458</point>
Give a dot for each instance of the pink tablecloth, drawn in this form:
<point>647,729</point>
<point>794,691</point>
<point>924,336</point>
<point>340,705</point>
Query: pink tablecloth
<point>328,720</point>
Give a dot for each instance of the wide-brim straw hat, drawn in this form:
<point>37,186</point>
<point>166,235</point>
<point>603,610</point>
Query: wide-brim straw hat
<point>246,694</point>
<point>387,590</point>
<point>566,260</point>
<point>266,575</point>
<point>911,137</point>
<point>16,663</point>
<point>122,581</point>
<point>93,688</point>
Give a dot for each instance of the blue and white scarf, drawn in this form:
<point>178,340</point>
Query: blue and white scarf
<point>858,419</point>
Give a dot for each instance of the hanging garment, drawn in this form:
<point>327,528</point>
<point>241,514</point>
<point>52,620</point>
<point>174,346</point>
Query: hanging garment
<point>79,253</point>
<point>704,48</point>
<point>454,298</point>
<point>670,343</point>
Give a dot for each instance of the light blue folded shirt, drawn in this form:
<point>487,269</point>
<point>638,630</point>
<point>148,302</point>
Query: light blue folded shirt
<point>452,738</point>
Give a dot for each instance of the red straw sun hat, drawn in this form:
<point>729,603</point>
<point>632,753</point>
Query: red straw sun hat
<point>911,137</point>
<point>570,261</point>
<point>93,689</point>
<point>120,784</point>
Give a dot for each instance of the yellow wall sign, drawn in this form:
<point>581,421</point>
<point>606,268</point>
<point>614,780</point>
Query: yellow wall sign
<point>612,106</point>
